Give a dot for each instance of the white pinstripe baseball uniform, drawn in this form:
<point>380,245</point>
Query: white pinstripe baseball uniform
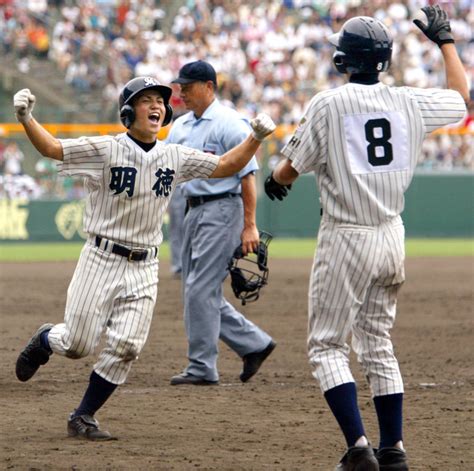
<point>362,142</point>
<point>128,193</point>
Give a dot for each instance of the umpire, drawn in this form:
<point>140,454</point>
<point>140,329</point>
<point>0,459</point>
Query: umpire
<point>220,216</point>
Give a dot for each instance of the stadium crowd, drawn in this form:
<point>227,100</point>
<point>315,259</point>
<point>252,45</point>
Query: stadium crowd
<point>272,54</point>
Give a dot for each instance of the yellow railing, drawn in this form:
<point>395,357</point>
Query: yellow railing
<point>9,129</point>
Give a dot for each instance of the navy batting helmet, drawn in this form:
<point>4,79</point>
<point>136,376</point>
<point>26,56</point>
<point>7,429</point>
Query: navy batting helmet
<point>364,45</point>
<point>132,89</point>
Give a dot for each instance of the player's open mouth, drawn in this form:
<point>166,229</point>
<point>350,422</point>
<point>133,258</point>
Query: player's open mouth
<point>154,118</point>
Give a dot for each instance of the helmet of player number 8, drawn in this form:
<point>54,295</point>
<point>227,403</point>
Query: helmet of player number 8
<point>250,273</point>
<point>132,89</point>
<point>364,45</point>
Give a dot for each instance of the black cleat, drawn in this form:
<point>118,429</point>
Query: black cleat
<point>187,378</point>
<point>358,458</point>
<point>253,361</point>
<point>87,428</point>
<point>392,459</point>
<point>33,355</point>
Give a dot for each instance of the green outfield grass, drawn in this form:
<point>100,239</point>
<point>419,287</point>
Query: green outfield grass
<point>279,248</point>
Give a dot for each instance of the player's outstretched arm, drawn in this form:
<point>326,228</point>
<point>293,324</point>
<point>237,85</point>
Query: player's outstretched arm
<point>24,102</point>
<point>437,28</point>
<point>455,74</point>
<point>237,158</point>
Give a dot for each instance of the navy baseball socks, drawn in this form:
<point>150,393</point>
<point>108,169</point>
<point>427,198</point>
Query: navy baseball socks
<point>390,417</point>
<point>44,341</point>
<point>81,422</point>
<point>97,393</point>
<point>342,401</point>
<point>359,455</point>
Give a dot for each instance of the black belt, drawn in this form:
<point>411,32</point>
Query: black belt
<point>133,255</point>
<point>194,201</point>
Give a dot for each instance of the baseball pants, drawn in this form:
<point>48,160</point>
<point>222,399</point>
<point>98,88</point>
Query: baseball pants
<point>211,234</point>
<point>357,273</point>
<point>107,294</point>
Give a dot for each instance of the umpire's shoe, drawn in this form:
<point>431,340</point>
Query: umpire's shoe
<point>87,428</point>
<point>358,458</point>
<point>188,378</point>
<point>33,356</point>
<point>392,459</point>
<point>253,361</point>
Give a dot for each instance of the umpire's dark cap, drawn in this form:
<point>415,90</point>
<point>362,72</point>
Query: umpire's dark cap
<point>198,71</point>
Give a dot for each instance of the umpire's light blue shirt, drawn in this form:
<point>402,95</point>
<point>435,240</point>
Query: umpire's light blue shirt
<point>218,130</point>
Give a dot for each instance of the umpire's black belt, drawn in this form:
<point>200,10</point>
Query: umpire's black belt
<point>194,201</point>
<point>132,255</point>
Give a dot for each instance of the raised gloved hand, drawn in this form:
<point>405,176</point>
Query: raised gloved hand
<point>437,27</point>
<point>262,126</point>
<point>24,102</point>
<point>274,190</point>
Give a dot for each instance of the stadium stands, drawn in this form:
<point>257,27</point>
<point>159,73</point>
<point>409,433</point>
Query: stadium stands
<point>271,54</point>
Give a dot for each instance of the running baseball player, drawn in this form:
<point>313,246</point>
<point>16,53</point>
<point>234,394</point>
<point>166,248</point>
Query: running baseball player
<point>130,179</point>
<point>362,141</point>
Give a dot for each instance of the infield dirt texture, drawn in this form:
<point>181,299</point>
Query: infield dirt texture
<point>277,421</point>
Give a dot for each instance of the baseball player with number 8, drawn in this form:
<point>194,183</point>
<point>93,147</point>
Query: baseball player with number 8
<point>362,140</point>
<point>130,179</point>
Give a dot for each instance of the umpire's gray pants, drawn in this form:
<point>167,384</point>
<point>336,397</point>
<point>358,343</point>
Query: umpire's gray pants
<point>211,234</point>
<point>176,210</point>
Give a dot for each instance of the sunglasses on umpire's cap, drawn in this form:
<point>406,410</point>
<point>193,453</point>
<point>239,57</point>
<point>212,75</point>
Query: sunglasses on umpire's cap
<point>198,71</point>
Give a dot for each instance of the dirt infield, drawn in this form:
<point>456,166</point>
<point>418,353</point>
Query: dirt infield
<point>277,421</point>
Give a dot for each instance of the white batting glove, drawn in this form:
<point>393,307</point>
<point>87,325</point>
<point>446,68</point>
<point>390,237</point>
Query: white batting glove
<point>262,126</point>
<point>24,102</point>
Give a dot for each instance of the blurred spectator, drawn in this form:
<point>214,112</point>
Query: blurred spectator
<point>46,177</point>
<point>78,75</point>
<point>37,7</point>
<point>12,158</point>
<point>38,39</point>
<point>19,186</point>
<point>109,111</point>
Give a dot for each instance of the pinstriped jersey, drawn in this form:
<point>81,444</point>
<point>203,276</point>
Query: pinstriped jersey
<point>363,143</point>
<point>128,189</point>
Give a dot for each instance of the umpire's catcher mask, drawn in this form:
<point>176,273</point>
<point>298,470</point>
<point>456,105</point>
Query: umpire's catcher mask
<point>250,273</point>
